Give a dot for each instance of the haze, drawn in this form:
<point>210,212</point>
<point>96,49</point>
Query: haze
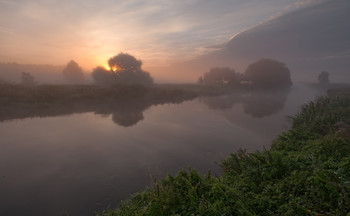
<point>160,33</point>
<point>98,99</point>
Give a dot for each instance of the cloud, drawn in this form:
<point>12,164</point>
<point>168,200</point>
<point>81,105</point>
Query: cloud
<point>9,3</point>
<point>305,3</point>
<point>309,39</point>
<point>307,33</point>
<point>155,30</point>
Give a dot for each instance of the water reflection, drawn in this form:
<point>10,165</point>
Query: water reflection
<point>124,113</point>
<point>257,104</point>
<point>130,112</point>
<point>84,162</point>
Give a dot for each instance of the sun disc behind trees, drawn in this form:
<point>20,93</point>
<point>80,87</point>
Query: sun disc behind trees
<point>124,69</point>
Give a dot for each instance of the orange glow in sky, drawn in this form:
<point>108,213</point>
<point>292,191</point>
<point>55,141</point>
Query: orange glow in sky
<point>106,66</point>
<point>160,33</point>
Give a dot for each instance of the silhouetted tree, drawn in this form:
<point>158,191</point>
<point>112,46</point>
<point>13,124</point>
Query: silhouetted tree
<point>124,62</point>
<point>268,74</point>
<point>102,76</point>
<point>73,73</point>
<point>127,119</point>
<point>323,78</point>
<point>27,79</point>
<point>221,76</point>
<point>124,69</point>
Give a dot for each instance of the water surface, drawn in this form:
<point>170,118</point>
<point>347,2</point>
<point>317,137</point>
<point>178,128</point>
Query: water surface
<point>79,163</point>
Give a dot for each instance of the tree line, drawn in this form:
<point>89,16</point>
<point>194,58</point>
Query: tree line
<point>265,73</point>
<point>126,69</point>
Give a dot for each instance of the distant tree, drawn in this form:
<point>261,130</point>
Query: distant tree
<point>127,119</point>
<point>102,76</point>
<point>27,79</point>
<point>73,73</point>
<point>323,78</point>
<point>124,62</point>
<point>200,80</point>
<point>124,69</point>
<point>268,74</point>
<point>221,77</point>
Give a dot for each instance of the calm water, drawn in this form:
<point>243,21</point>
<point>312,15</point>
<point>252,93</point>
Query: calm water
<point>79,163</point>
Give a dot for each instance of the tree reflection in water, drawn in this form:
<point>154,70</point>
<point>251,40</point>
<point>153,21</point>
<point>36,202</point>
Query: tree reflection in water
<point>126,104</point>
<point>257,104</point>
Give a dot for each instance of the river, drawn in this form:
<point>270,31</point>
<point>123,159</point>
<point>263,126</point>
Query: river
<point>79,163</point>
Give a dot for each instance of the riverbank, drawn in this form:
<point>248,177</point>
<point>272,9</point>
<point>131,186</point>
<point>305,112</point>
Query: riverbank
<point>306,172</point>
<point>20,101</point>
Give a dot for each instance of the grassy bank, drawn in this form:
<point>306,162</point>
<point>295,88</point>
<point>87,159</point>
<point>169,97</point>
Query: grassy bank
<point>306,172</point>
<point>19,101</point>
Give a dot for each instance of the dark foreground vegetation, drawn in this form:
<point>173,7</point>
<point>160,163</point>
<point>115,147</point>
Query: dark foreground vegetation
<point>306,172</point>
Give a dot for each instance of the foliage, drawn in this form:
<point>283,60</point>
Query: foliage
<point>220,77</point>
<point>323,78</point>
<point>306,172</point>
<point>102,76</point>
<point>124,61</point>
<point>268,74</point>
<point>73,73</point>
<point>124,69</point>
<point>263,74</point>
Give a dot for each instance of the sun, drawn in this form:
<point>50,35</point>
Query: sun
<point>114,68</point>
<point>106,66</point>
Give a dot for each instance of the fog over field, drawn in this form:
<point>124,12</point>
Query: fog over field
<point>244,102</point>
<point>309,36</point>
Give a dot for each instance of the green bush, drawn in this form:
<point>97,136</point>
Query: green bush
<point>306,172</point>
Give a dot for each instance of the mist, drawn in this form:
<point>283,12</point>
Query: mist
<point>103,100</point>
<point>309,40</point>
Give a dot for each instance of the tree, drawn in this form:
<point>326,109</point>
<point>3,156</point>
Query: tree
<point>124,69</point>
<point>221,77</point>
<point>124,62</point>
<point>127,118</point>
<point>27,79</point>
<point>73,73</point>
<point>323,78</point>
<point>102,76</point>
<point>268,74</point>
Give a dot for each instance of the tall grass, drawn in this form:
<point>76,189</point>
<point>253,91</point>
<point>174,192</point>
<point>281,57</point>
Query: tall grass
<point>306,172</point>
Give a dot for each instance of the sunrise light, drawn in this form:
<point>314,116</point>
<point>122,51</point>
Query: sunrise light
<point>114,68</point>
<point>106,66</point>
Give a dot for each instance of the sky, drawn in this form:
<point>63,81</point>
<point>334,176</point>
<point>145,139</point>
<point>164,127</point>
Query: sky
<point>308,39</point>
<point>155,31</point>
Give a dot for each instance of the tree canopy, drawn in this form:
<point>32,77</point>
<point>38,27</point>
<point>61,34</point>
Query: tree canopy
<point>268,74</point>
<point>265,74</point>
<point>73,73</point>
<point>323,77</point>
<point>102,76</point>
<point>124,69</point>
<point>221,76</point>
<point>125,62</point>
